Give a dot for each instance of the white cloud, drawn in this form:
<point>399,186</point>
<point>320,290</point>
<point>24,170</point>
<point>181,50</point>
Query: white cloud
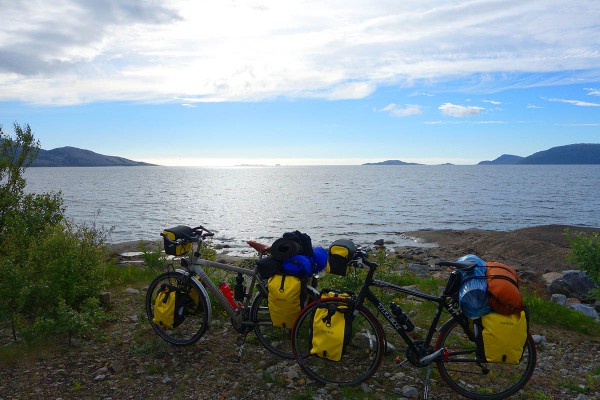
<point>352,90</point>
<point>74,51</point>
<point>457,111</point>
<point>465,122</point>
<point>593,92</point>
<point>533,106</point>
<point>494,102</point>
<point>575,125</point>
<point>426,94</point>
<point>576,102</point>
<point>406,111</point>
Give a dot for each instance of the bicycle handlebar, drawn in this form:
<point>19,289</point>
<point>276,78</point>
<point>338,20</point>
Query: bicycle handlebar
<point>200,233</point>
<point>362,255</point>
<point>203,231</point>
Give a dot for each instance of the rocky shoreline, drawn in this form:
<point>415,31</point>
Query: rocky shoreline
<point>539,248</point>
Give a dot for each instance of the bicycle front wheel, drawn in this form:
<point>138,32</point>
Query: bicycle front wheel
<point>196,313</point>
<point>481,380</point>
<point>363,348</point>
<point>274,339</point>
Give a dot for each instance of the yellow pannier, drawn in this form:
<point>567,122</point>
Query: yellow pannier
<point>329,328</point>
<point>287,295</point>
<point>503,336</point>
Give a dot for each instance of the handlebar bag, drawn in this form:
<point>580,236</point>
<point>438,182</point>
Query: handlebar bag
<point>287,295</point>
<point>169,307</point>
<point>176,233</point>
<point>329,329</point>
<point>503,288</point>
<point>501,338</point>
<point>339,256</point>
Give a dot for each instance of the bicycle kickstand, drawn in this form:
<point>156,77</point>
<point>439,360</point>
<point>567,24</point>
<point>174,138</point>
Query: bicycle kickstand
<point>241,344</point>
<point>427,378</point>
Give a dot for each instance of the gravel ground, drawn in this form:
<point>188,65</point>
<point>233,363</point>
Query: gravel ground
<point>128,361</point>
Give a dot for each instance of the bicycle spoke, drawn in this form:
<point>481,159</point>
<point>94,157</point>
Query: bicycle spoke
<point>194,324</point>
<point>481,380</point>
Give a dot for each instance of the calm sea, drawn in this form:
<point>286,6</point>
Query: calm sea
<point>364,203</point>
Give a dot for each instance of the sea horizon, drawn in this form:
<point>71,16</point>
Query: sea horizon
<point>365,203</point>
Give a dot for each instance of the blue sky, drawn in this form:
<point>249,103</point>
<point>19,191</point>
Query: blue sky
<point>302,82</point>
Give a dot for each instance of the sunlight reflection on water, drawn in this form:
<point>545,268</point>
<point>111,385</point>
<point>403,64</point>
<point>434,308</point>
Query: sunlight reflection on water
<point>364,203</point>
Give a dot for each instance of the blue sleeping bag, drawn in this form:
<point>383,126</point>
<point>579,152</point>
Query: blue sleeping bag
<point>473,296</point>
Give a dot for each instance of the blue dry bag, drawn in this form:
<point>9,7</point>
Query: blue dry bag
<point>473,296</point>
<point>320,259</point>
<point>298,265</point>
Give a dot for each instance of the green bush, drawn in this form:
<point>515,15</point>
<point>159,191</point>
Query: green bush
<point>60,279</point>
<point>51,271</point>
<point>153,259</point>
<point>585,255</point>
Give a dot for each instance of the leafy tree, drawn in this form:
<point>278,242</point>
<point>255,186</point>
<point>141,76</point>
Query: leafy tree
<point>51,271</point>
<point>22,216</point>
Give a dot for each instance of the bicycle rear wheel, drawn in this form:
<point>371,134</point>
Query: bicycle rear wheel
<point>362,353</point>
<point>274,339</point>
<point>476,380</point>
<point>196,314</point>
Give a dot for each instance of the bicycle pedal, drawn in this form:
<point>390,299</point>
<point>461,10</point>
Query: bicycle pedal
<point>400,361</point>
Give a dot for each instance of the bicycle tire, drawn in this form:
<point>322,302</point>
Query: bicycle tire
<point>467,377</point>
<point>363,351</point>
<point>196,318</point>
<point>274,339</point>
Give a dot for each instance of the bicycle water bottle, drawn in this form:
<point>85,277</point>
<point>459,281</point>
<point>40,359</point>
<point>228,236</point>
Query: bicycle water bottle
<point>239,291</point>
<point>226,290</point>
<point>402,317</point>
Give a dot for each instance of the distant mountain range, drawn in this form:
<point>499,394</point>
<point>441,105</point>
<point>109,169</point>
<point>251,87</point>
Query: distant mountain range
<point>582,153</point>
<point>74,157</point>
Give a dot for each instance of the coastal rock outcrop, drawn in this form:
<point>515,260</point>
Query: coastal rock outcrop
<point>573,283</point>
<point>572,289</point>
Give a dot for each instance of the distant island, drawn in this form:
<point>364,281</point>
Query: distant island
<point>392,162</point>
<point>581,153</point>
<point>74,157</point>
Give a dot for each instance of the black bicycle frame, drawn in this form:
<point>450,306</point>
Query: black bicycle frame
<point>441,301</point>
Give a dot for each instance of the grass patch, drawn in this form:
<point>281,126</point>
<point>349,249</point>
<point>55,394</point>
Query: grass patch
<point>29,352</point>
<point>548,313</point>
<point>537,394</point>
<point>152,347</point>
<point>120,277</point>
<point>307,395</point>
